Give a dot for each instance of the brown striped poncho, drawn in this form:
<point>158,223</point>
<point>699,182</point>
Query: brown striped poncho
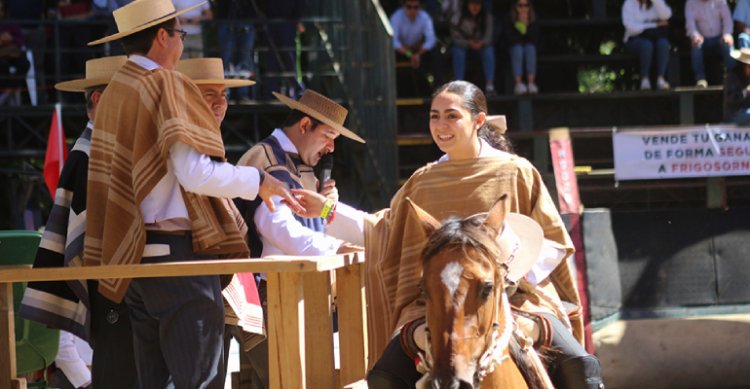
<point>394,241</point>
<point>140,115</point>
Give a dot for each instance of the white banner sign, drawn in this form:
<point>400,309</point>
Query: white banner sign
<point>682,152</point>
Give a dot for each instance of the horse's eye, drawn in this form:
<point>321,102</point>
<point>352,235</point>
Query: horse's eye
<point>486,289</point>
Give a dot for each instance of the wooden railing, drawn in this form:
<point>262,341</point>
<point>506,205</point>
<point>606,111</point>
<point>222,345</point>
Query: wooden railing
<point>299,312</point>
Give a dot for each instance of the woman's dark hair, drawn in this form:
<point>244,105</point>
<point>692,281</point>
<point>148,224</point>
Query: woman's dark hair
<point>481,17</point>
<point>295,116</point>
<point>475,102</point>
<point>140,42</point>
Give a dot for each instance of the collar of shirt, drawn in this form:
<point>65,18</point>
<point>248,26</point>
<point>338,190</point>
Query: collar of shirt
<point>90,125</point>
<point>144,62</point>
<point>284,141</point>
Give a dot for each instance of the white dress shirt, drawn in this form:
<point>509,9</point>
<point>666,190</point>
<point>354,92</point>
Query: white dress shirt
<point>196,173</point>
<point>281,233</point>
<point>348,225</point>
<point>74,358</point>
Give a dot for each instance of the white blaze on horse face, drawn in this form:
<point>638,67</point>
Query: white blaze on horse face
<point>451,276</point>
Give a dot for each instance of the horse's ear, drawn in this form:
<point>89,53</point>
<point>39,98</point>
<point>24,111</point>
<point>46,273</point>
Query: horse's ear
<point>429,223</point>
<point>496,217</point>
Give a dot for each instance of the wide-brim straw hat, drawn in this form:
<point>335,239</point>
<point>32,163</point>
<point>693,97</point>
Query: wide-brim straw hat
<point>520,243</point>
<point>323,109</point>
<point>742,55</point>
<point>205,71</point>
<point>99,71</point>
<point>497,123</point>
<point>140,15</point>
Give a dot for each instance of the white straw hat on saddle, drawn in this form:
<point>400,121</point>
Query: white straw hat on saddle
<point>520,242</point>
<point>140,15</point>
<point>742,55</point>
<point>205,71</point>
<point>497,123</point>
<point>321,108</point>
<point>99,71</point>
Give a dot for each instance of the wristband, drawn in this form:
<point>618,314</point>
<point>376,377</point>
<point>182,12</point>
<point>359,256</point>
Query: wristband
<point>327,207</point>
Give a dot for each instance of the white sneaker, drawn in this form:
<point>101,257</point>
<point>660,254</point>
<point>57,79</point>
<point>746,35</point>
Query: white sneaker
<point>645,84</point>
<point>702,83</point>
<point>662,84</point>
<point>520,88</point>
<point>533,89</point>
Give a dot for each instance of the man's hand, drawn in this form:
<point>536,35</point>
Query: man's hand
<point>329,190</point>
<point>728,40</point>
<point>311,202</point>
<point>347,247</point>
<point>476,44</point>
<point>697,40</point>
<point>273,187</point>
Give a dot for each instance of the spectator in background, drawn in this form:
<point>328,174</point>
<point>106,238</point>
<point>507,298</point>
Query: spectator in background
<point>281,37</point>
<point>737,89</point>
<point>471,29</point>
<point>646,30</point>
<point>191,23</point>
<point>522,34</point>
<point>709,26</point>
<point>237,43</point>
<point>13,62</point>
<point>741,18</point>
<point>414,37</point>
<point>74,35</point>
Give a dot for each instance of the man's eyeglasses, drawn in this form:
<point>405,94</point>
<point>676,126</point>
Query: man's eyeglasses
<point>182,33</point>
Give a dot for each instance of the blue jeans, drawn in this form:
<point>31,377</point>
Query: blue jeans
<point>744,40</point>
<point>488,62</point>
<point>710,45</point>
<point>644,49</point>
<point>237,42</point>
<point>520,54</point>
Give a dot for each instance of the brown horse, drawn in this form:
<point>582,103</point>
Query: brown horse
<point>472,339</point>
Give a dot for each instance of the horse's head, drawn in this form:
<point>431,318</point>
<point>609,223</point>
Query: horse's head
<point>464,287</point>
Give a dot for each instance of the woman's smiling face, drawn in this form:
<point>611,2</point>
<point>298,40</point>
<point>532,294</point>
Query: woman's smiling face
<point>452,127</point>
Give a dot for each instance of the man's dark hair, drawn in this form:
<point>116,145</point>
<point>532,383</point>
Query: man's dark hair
<point>90,92</point>
<point>295,116</point>
<point>140,42</point>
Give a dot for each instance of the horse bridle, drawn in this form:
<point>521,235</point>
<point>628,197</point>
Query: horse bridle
<point>496,341</point>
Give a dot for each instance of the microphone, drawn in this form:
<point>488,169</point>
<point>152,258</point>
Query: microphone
<point>326,165</point>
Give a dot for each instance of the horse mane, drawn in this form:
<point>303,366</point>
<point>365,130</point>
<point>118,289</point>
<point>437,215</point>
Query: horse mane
<point>462,234</point>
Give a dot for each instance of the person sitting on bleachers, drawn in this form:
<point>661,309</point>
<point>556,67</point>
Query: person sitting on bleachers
<point>13,62</point>
<point>737,90</point>
<point>646,31</point>
<point>741,18</point>
<point>522,34</point>
<point>471,29</point>
<point>414,37</point>
<point>709,26</point>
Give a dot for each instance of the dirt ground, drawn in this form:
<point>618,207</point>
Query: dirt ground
<point>689,353</point>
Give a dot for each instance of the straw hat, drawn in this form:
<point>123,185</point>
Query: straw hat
<point>99,71</point>
<point>742,55</point>
<point>140,15</point>
<point>208,71</point>
<point>521,242</point>
<point>323,109</point>
<point>497,123</point>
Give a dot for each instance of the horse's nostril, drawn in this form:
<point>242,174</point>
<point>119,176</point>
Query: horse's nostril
<point>464,385</point>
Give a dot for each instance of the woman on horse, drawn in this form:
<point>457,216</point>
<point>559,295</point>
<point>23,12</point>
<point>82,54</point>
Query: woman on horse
<point>478,168</point>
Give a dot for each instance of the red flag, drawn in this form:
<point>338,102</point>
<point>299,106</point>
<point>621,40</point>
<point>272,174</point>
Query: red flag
<point>57,152</point>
